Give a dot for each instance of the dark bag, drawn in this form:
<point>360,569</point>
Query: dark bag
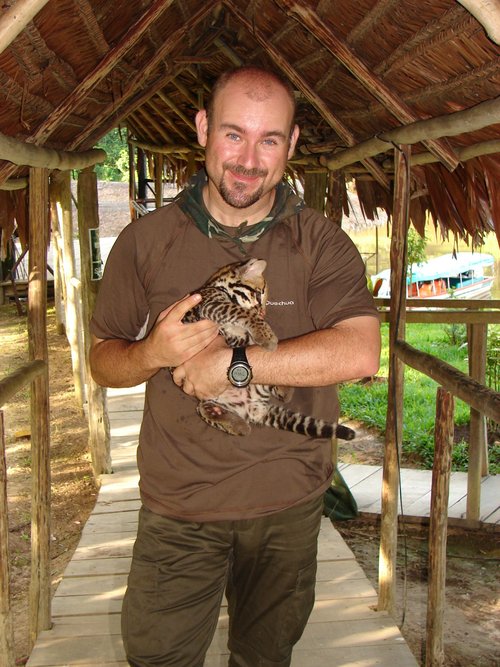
<point>338,501</point>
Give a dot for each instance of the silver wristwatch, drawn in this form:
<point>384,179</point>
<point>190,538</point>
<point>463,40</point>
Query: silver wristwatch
<point>239,372</point>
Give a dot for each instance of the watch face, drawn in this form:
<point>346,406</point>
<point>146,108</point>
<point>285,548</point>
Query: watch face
<point>240,373</point>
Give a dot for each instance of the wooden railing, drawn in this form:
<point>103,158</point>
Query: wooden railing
<point>483,401</point>
<point>9,386</point>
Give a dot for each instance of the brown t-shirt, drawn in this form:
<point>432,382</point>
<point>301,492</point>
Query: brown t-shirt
<point>189,470</point>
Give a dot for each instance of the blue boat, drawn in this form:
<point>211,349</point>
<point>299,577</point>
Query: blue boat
<point>465,275</point>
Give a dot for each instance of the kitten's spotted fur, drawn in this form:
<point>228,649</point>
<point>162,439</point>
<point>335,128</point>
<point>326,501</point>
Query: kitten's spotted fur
<point>235,298</point>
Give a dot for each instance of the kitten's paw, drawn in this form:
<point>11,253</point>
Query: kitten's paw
<point>218,416</point>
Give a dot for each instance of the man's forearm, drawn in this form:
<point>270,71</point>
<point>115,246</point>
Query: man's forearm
<point>345,352</point>
<point>120,363</point>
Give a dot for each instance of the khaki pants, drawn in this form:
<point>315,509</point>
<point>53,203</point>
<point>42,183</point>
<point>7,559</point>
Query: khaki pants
<point>180,570</point>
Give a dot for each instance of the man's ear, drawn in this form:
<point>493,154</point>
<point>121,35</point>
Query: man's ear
<point>201,121</point>
<point>293,141</point>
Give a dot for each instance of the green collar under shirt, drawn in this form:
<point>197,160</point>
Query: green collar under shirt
<point>190,200</point>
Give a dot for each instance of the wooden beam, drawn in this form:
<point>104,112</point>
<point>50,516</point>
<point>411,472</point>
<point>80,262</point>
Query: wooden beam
<point>14,19</point>
<point>487,12</point>
<point>438,528</point>
<point>343,132</point>
<point>304,13</point>
<point>14,184</point>
<point>21,153</point>
<point>165,149</point>
<point>110,60</point>
<point>449,125</point>
<point>178,112</point>
<point>6,615</point>
<point>394,420</point>
<point>464,153</point>
<point>11,384</point>
<point>40,616</point>
<point>88,227</point>
<point>115,112</point>
<point>461,385</point>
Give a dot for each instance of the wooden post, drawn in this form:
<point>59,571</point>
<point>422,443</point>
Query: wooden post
<point>441,472</point>
<point>335,196</point>
<point>394,421</point>
<point>88,225</point>
<point>6,628</point>
<point>315,189</point>
<point>40,416</point>
<point>131,181</point>
<point>60,189</point>
<point>158,159</point>
<point>478,440</point>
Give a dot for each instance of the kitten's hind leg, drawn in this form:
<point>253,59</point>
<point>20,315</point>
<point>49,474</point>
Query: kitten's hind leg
<point>218,416</point>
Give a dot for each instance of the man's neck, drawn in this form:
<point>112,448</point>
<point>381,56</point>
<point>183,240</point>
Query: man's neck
<point>230,216</point>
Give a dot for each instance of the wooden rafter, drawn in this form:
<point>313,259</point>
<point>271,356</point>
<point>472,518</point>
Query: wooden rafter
<point>16,18</point>
<point>21,153</point>
<point>469,120</point>
<point>307,90</point>
<point>487,12</point>
<point>310,19</point>
<point>119,109</point>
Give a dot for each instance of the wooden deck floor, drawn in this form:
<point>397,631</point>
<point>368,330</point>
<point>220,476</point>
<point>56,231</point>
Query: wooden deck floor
<point>344,630</point>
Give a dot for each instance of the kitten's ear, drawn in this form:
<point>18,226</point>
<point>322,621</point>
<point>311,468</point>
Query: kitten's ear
<point>254,268</point>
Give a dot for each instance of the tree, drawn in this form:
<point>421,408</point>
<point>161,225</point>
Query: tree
<point>115,168</point>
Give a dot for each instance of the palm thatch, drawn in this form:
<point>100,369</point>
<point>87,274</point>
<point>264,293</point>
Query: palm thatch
<point>360,69</point>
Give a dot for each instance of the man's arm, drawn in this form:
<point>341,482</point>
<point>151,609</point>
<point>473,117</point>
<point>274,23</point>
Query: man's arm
<point>121,363</point>
<point>349,350</point>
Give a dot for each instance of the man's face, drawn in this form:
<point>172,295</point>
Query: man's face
<point>248,141</point>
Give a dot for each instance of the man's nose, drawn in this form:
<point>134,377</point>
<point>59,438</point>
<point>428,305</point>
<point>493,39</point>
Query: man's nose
<point>248,156</point>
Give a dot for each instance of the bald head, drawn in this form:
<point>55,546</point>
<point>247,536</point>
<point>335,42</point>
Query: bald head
<point>257,84</point>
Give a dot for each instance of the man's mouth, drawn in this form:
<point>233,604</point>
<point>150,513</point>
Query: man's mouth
<point>243,174</point>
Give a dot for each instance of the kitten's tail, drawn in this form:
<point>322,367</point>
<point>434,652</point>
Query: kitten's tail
<point>279,417</point>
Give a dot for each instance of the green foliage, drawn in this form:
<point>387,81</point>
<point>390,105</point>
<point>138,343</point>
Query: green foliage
<point>415,249</point>
<point>368,403</point>
<point>116,166</point>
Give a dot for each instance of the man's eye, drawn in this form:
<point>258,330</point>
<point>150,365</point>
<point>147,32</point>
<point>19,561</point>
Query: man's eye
<point>233,136</point>
<point>270,142</point>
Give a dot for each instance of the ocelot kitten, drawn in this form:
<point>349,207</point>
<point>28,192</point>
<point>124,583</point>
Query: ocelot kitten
<point>235,298</point>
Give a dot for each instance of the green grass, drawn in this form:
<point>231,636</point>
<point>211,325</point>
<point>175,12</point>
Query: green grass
<point>368,403</point>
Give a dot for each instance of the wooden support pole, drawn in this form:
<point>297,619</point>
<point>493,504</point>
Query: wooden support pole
<point>40,414</point>
<point>158,160</point>
<point>60,194</point>
<point>478,441</point>
<point>15,18</point>
<point>394,421</point>
<point>315,190</point>
<point>88,225</point>
<point>441,472</point>
<point>6,627</point>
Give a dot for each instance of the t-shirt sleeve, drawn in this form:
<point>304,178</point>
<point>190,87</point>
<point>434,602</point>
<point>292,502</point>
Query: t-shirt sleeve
<point>338,287</point>
<point>121,307</point>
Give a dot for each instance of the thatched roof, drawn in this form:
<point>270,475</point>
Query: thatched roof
<point>360,69</point>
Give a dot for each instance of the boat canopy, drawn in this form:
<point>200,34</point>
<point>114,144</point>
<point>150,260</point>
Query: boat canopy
<point>444,266</point>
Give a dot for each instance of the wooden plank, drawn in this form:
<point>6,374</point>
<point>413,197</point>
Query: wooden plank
<point>98,566</point>
<point>96,650</point>
<point>98,585</point>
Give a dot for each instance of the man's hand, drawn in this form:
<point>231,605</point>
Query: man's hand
<point>171,342</point>
<point>204,375</point>
<point>117,362</point>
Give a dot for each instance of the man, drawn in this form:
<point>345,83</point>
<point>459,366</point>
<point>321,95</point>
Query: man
<point>222,512</point>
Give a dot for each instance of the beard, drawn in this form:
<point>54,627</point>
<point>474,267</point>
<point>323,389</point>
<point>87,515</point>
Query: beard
<point>238,195</point>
